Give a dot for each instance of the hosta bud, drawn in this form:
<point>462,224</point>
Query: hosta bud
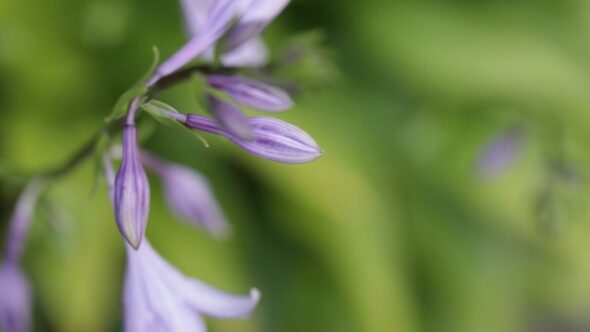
<point>274,139</point>
<point>252,93</point>
<point>189,195</point>
<point>220,17</point>
<point>132,191</point>
<point>230,118</point>
<point>15,310</point>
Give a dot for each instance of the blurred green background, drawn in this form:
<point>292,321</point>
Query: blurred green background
<point>395,228</point>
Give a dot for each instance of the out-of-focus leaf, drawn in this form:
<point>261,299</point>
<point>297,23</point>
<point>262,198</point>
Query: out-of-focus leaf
<point>158,109</point>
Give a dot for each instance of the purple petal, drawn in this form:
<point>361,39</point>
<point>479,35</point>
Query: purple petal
<point>20,221</point>
<point>15,312</point>
<point>159,298</point>
<point>257,14</point>
<point>230,118</point>
<point>252,53</point>
<point>153,296</point>
<point>221,15</point>
<point>195,14</point>
<point>252,93</point>
<point>274,140</point>
<point>215,303</point>
<point>189,196</point>
<point>132,191</point>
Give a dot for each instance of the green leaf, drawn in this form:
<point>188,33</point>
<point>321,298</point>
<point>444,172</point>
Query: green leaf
<point>123,102</point>
<point>159,110</point>
<point>153,66</point>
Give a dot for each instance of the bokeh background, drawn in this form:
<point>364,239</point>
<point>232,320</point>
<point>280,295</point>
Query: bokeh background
<point>452,196</point>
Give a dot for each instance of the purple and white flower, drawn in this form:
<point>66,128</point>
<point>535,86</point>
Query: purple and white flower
<point>244,47</point>
<point>15,294</point>
<point>274,139</point>
<point>219,17</point>
<point>252,93</point>
<point>230,118</point>
<point>131,191</point>
<point>158,298</point>
<point>15,298</point>
<point>256,16</point>
<point>20,221</point>
<point>189,195</point>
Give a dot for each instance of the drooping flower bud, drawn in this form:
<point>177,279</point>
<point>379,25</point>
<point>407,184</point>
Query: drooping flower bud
<point>230,118</point>
<point>252,93</point>
<point>274,139</point>
<point>15,298</point>
<point>132,191</point>
<point>189,195</point>
<point>20,221</point>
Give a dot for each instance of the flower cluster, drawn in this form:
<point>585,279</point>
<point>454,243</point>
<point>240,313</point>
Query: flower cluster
<point>225,35</point>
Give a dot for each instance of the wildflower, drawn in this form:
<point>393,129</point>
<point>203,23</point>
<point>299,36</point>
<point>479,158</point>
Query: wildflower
<point>251,93</point>
<point>274,139</point>
<point>157,297</point>
<point>257,15</point>
<point>20,221</point>
<point>131,191</point>
<point>189,195</point>
<point>15,315</point>
<point>219,18</point>
<point>230,118</point>
<point>250,50</point>
<point>15,312</point>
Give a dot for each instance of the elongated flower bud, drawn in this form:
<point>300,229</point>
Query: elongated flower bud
<point>20,221</point>
<point>132,191</point>
<point>252,93</point>
<point>274,139</point>
<point>257,15</point>
<point>189,195</point>
<point>230,118</point>
<point>15,298</point>
<point>218,21</point>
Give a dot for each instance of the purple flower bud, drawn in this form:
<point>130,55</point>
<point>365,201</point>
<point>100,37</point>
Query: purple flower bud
<point>252,93</point>
<point>20,222</point>
<point>252,53</point>
<point>189,195</point>
<point>132,191</point>
<point>230,118</point>
<point>257,14</point>
<point>274,139</point>
<point>157,297</point>
<point>15,312</point>
<point>216,24</point>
